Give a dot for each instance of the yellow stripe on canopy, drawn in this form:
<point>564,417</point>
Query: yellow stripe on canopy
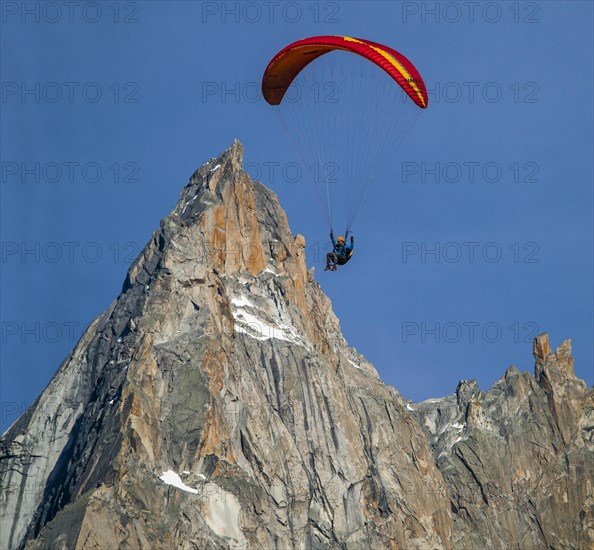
<point>394,63</point>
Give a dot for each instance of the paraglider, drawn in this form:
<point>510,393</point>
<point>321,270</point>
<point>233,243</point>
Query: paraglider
<point>347,103</point>
<point>341,252</point>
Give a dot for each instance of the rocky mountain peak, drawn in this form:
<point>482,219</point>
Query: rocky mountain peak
<point>466,391</point>
<point>552,367</point>
<point>216,404</point>
<point>217,383</point>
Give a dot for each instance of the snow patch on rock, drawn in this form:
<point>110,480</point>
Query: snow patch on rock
<point>261,322</point>
<point>171,478</point>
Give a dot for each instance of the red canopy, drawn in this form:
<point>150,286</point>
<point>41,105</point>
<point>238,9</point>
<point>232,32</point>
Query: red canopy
<point>286,65</point>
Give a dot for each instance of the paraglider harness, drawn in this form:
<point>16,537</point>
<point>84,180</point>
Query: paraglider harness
<point>345,256</point>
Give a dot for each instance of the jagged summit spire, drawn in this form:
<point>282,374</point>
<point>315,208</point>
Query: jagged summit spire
<point>233,157</point>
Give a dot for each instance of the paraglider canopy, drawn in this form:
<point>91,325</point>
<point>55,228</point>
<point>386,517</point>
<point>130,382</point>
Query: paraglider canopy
<point>347,104</point>
<point>288,63</point>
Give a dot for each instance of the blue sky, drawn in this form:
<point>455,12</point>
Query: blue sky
<point>105,115</point>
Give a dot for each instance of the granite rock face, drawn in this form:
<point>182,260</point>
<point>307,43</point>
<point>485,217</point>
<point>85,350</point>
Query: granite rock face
<point>519,459</point>
<point>215,404</point>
